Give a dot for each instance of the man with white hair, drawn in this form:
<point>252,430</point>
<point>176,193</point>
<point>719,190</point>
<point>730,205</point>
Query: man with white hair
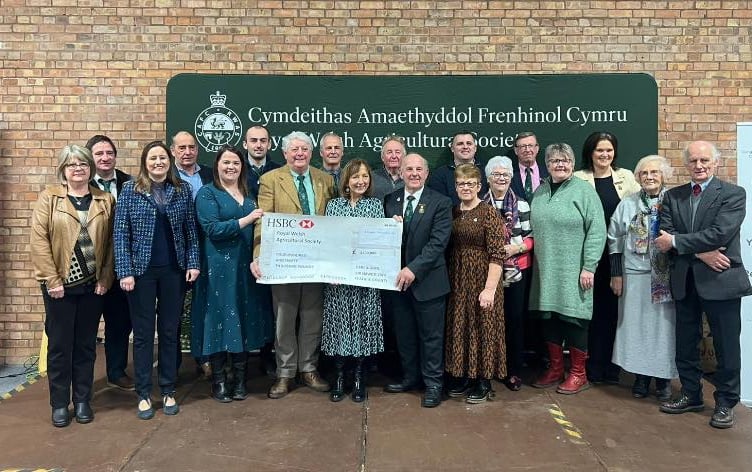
<point>295,188</point>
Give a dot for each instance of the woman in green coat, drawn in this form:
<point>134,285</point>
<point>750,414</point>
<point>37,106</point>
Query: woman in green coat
<point>567,219</point>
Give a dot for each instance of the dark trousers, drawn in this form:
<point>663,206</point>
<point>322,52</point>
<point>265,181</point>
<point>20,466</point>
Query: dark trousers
<point>159,290</point>
<point>602,331</point>
<point>117,330</point>
<point>724,318</point>
<point>515,308</point>
<point>419,329</point>
<point>71,326</point>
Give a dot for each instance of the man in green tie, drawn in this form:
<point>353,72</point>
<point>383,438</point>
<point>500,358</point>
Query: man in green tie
<point>117,318</point>
<point>295,188</point>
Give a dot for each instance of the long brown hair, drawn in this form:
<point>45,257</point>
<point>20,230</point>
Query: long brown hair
<point>243,179</point>
<point>143,182</point>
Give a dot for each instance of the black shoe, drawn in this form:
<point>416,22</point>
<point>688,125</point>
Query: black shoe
<point>663,389</point>
<point>84,414</point>
<point>481,392</point>
<point>359,386</point>
<point>723,417</point>
<point>682,405</point>
<point>60,417</point>
<point>337,393</point>
<point>459,388</point>
<point>404,386</point>
<point>431,397</point>
<point>220,392</point>
<point>239,391</point>
<point>641,386</point>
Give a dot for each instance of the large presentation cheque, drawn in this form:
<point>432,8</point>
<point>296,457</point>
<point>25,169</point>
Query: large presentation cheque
<point>331,249</point>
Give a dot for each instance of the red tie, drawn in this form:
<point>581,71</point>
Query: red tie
<point>696,190</point>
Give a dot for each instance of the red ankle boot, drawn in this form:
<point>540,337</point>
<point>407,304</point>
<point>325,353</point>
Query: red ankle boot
<point>577,380</point>
<point>555,372</point>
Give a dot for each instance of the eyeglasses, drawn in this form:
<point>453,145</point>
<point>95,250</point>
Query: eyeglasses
<point>78,165</point>
<point>501,175</point>
<point>466,184</point>
<point>526,146</point>
<point>557,162</point>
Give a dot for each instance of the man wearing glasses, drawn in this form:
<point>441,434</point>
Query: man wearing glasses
<point>528,175</point>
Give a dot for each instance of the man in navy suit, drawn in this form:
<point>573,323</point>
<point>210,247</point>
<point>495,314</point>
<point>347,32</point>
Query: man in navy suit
<point>700,225</point>
<point>117,318</point>
<point>464,147</point>
<point>423,282</point>
<point>528,175</point>
<point>257,143</point>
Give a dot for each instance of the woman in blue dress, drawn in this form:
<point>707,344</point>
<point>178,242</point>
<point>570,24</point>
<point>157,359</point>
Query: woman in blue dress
<point>226,304</point>
<point>352,315</point>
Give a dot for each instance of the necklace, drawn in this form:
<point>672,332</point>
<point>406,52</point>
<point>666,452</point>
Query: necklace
<point>79,200</point>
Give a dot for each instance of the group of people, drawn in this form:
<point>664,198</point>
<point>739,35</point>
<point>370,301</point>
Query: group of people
<point>615,268</point>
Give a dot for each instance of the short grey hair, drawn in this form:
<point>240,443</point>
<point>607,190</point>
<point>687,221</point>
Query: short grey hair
<point>67,154</point>
<point>498,161</point>
<point>296,136</point>
<point>713,151</point>
<point>559,149</point>
<point>666,170</point>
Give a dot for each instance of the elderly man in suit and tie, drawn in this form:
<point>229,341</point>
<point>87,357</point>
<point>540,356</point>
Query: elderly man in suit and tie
<point>295,188</point>
<point>700,225</point>
<point>528,175</point>
<point>419,306</point>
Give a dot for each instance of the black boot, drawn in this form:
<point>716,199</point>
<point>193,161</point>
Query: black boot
<point>662,389</point>
<point>359,386</point>
<point>641,386</point>
<point>219,387</point>
<point>481,392</point>
<point>239,392</point>
<point>459,387</point>
<point>337,393</point>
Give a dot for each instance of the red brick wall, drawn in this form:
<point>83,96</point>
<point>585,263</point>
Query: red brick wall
<point>71,71</point>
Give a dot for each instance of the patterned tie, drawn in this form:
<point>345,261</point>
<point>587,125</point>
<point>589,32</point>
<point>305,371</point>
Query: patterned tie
<point>528,184</point>
<point>107,184</point>
<point>303,196</point>
<point>409,209</point>
<point>696,190</point>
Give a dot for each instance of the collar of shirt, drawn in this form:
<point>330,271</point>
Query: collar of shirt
<point>254,163</point>
<point>703,185</point>
<point>536,174</point>
<point>306,174</point>
<point>415,202</point>
<point>196,168</point>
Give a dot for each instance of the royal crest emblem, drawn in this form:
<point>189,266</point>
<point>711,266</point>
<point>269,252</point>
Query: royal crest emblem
<point>218,125</point>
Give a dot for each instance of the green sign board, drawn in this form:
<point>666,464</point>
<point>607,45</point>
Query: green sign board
<point>425,110</point>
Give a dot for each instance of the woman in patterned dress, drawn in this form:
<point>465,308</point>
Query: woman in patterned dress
<point>352,315</point>
<point>227,306</point>
<point>475,349</point>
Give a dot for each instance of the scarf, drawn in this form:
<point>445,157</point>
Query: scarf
<point>643,229</point>
<point>510,213</point>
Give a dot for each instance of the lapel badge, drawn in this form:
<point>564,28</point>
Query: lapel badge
<point>421,208</point>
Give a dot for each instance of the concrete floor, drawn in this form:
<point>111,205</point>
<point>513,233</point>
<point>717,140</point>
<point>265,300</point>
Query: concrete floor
<point>528,430</point>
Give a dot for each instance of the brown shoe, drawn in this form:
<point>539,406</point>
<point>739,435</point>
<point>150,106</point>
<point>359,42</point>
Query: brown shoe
<point>280,388</point>
<point>314,380</point>
<point>123,383</point>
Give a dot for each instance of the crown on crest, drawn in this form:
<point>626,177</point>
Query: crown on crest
<point>217,99</point>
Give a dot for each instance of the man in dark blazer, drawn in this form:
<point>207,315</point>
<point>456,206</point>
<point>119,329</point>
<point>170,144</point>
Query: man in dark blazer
<point>526,149</point>
<point>257,143</point>
<point>700,225</point>
<point>423,282</point>
<point>464,148</point>
<point>117,318</point>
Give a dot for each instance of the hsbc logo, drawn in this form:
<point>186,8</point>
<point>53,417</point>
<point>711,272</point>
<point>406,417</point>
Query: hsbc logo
<point>306,224</point>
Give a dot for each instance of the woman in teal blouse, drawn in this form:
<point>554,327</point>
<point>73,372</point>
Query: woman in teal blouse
<point>227,308</point>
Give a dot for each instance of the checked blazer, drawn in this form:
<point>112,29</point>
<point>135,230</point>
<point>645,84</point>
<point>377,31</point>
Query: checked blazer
<point>135,219</point>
